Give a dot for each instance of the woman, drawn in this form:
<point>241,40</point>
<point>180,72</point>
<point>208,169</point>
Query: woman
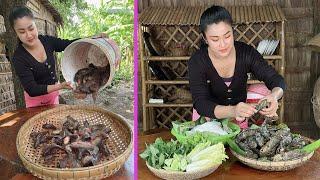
<point>34,61</point>
<point>218,71</point>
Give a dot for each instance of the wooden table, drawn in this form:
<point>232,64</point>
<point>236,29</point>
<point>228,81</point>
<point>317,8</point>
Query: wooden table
<point>233,169</point>
<point>10,163</point>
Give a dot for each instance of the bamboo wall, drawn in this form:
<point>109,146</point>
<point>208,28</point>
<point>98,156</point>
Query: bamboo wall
<point>43,18</point>
<point>302,65</point>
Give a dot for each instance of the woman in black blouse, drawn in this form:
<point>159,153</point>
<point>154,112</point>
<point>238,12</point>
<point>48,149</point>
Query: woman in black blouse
<point>34,61</point>
<point>218,71</point>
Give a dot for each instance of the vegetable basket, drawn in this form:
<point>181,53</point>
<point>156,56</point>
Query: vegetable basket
<point>271,165</point>
<point>212,138</point>
<point>177,175</point>
<point>119,143</point>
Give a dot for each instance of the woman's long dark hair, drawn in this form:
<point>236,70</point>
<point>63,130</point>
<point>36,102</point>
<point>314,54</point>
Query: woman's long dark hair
<point>19,12</point>
<point>213,15</point>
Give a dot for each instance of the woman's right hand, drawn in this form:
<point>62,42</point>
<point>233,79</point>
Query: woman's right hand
<point>65,85</point>
<point>243,110</point>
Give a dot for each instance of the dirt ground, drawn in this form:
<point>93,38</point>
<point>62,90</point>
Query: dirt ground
<point>118,99</point>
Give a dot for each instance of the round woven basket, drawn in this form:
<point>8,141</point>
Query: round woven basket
<point>164,174</point>
<point>119,143</point>
<point>270,165</point>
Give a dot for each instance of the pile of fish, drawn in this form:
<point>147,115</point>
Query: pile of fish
<point>89,80</point>
<point>270,142</point>
<point>82,145</point>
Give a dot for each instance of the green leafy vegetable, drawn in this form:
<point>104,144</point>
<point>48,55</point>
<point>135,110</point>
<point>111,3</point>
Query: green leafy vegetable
<point>158,153</point>
<point>311,147</point>
<point>207,157</point>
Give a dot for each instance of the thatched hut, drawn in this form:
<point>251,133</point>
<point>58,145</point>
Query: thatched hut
<point>301,64</point>
<point>47,19</point>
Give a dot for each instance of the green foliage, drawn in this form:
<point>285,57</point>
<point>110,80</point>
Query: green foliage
<point>113,17</point>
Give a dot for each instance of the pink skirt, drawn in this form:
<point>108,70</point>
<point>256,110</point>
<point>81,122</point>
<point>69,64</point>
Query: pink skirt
<point>243,124</point>
<point>47,99</point>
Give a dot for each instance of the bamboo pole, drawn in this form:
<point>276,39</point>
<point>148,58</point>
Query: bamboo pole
<point>166,58</point>
<point>167,105</point>
<point>167,82</point>
<point>186,58</point>
<point>282,68</point>
<point>143,79</point>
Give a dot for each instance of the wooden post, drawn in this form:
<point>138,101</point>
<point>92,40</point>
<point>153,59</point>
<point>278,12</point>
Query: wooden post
<point>282,68</point>
<point>143,79</point>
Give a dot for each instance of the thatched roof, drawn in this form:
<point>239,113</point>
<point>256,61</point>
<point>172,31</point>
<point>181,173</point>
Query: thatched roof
<point>191,15</point>
<point>56,15</point>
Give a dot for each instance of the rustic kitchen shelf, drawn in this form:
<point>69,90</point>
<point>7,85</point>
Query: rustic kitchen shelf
<point>176,32</point>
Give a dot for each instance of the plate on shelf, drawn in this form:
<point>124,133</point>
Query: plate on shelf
<point>261,46</point>
<point>270,47</point>
<point>275,47</point>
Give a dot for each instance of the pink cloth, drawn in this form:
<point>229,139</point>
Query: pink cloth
<point>259,89</point>
<point>227,83</point>
<point>47,99</point>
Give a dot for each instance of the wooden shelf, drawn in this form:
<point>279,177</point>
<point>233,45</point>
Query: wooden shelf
<point>177,105</point>
<point>167,105</point>
<point>167,82</point>
<point>151,115</point>
<point>273,57</point>
<point>186,58</point>
<point>254,82</point>
<point>166,58</point>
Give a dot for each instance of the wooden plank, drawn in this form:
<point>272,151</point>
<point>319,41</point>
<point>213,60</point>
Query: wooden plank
<point>143,79</point>
<point>168,105</point>
<point>166,58</point>
<point>186,58</point>
<point>299,69</point>
<point>167,82</point>
<point>254,82</point>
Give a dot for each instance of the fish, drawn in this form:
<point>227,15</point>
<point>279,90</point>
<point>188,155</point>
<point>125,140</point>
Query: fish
<point>81,144</point>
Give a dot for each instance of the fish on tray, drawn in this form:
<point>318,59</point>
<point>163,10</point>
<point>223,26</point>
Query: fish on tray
<point>82,145</point>
<point>270,142</point>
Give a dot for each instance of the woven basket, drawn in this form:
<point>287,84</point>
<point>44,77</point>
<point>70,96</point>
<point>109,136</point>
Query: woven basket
<point>119,143</point>
<point>270,165</point>
<point>164,174</point>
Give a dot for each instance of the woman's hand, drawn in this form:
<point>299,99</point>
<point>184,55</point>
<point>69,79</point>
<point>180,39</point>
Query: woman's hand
<point>271,110</point>
<point>65,85</point>
<point>243,111</point>
<point>100,35</point>
<point>79,95</point>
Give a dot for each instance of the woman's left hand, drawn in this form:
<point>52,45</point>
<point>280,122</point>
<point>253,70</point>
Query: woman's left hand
<point>100,35</point>
<point>272,108</point>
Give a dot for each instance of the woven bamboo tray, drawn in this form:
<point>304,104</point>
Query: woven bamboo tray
<point>272,166</point>
<point>176,175</point>
<point>119,143</point>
